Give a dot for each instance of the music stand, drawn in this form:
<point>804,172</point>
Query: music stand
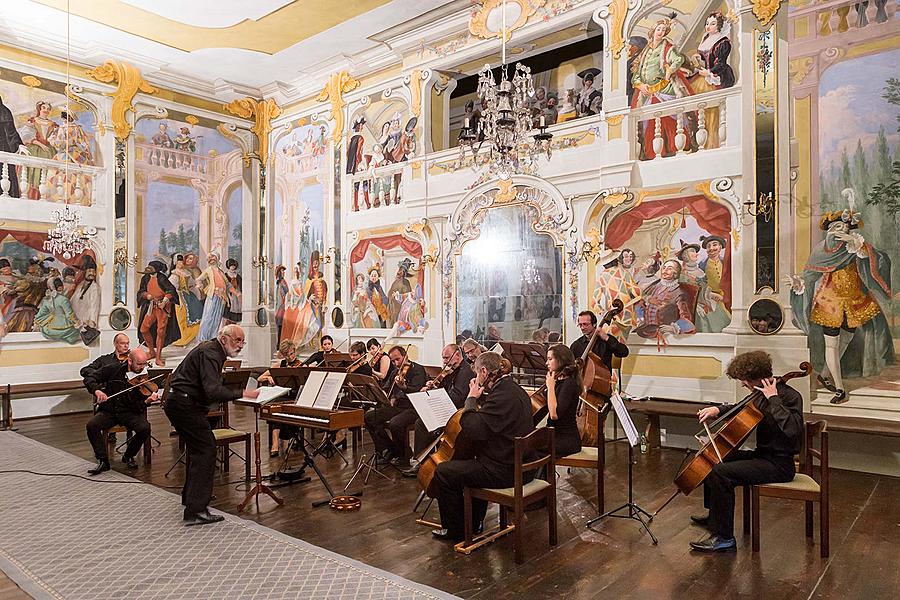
<point>529,358</point>
<point>635,512</point>
<point>366,391</point>
<point>337,359</point>
<point>259,487</point>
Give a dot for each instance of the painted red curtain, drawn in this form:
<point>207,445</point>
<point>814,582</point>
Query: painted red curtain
<point>711,216</point>
<point>35,240</point>
<point>389,242</point>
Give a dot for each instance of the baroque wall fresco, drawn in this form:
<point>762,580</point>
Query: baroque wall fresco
<point>669,261</point>
<point>189,198</point>
<point>302,171</point>
<point>854,252</point>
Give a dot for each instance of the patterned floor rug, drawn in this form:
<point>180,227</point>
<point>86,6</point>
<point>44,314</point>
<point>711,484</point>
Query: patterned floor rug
<point>63,537</point>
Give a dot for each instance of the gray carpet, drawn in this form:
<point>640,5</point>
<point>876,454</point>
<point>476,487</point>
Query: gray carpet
<point>62,537</point>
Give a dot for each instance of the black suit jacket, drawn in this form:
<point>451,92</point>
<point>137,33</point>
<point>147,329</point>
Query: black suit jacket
<point>605,350</point>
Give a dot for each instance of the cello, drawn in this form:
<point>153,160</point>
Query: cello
<point>734,426</point>
<point>452,443</point>
<point>595,377</point>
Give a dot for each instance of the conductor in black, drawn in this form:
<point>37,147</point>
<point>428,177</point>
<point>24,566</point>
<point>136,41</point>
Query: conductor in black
<point>778,438</point>
<point>197,383</point>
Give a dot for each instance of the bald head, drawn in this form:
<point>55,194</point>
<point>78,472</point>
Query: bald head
<point>121,343</point>
<point>137,360</point>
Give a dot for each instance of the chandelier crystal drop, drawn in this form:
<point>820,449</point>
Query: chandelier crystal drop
<point>68,238</point>
<point>506,121</point>
<point>530,273</point>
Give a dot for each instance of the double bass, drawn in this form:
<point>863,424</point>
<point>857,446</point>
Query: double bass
<point>734,426</point>
<point>452,443</point>
<point>595,377</point>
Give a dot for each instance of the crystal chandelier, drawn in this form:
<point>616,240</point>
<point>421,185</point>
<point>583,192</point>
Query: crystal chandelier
<point>67,239</point>
<point>506,121</point>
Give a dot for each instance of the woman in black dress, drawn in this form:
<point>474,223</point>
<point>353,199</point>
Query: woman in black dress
<point>563,392</point>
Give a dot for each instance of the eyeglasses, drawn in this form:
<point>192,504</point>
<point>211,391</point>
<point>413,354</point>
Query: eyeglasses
<point>238,341</point>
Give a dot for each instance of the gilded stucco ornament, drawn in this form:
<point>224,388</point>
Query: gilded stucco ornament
<point>338,85</point>
<point>130,82</point>
<point>478,22</point>
<point>615,13</point>
<point>765,10</point>
<point>414,81</point>
<point>262,112</point>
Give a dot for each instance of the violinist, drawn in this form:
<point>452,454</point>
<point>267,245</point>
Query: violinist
<point>288,351</point>
<point>118,355</point>
<point>503,415</point>
<point>380,364</point>
<point>454,378</point>
<point>128,408</point>
<point>359,364</point>
<point>315,359</point>
<point>605,346</point>
<point>472,349</point>
<point>778,438</point>
<point>394,419</point>
<point>563,392</point>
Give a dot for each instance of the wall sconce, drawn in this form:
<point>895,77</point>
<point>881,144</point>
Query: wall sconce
<point>764,207</point>
<point>427,259</point>
<point>329,255</point>
<point>260,262</point>
<point>120,257</point>
<point>587,250</point>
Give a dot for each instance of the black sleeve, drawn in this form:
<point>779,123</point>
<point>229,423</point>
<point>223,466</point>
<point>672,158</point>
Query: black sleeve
<point>460,388</point>
<point>415,379</point>
<point>475,426</point>
<point>315,357</point>
<point>616,347</point>
<point>719,58</point>
<point>89,375</point>
<point>567,396</point>
<point>786,409</point>
<point>211,379</point>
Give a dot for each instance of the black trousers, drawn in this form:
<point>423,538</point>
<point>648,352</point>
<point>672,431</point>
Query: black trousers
<point>742,467</point>
<point>454,475</point>
<point>387,425</point>
<point>136,422</point>
<point>423,437</point>
<point>189,420</point>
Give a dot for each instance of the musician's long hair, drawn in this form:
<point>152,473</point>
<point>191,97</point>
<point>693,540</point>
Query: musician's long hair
<point>565,359</point>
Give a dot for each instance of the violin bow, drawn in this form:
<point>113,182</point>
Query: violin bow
<point>135,386</point>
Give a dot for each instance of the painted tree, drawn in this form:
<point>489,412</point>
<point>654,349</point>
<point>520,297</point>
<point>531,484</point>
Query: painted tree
<point>182,238</point>
<point>163,246</point>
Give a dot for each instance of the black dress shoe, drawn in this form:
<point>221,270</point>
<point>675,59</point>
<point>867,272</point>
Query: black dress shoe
<point>700,520</point>
<point>410,472</point>
<point>102,465</point>
<point>129,462</point>
<point>444,534</point>
<point>714,543</point>
<point>202,518</point>
<point>840,396</point>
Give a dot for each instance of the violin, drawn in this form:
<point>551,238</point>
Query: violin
<point>402,373</point>
<point>143,383</point>
<point>376,358</point>
<point>737,424</point>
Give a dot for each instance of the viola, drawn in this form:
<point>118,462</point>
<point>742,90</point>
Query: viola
<point>736,425</point>
<point>453,443</point>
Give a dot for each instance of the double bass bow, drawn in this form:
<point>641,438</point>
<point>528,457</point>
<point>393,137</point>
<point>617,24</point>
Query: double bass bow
<point>595,377</point>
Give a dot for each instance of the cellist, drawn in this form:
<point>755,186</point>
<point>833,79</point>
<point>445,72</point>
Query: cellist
<point>504,415</point>
<point>779,437</point>
<point>605,346</point>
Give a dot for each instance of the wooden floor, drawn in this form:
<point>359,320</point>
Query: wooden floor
<point>615,560</point>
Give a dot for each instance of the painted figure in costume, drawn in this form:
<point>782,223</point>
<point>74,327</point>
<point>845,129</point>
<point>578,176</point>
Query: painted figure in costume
<point>362,313</point>
<point>36,134</point>
<point>8,279</point>
<point>399,288</point>
<point>85,299</point>
<point>232,312</point>
<point>381,185</point>
<point>300,321</point>
<point>68,279</point>
<point>184,141</point>
<point>712,69</point>
<point>845,287</point>
<point>316,288</point>
<point>690,269</point>
<point>666,307</point>
<point>55,318</point>
<point>155,299</point>
<point>214,284</point>
<point>567,110</point>
<point>648,271</point>
<point>590,97</point>
<point>10,142</point>
<point>713,314</point>
<point>72,143</point>
<point>356,162</point>
<point>192,264</point>
<point>28,292</point>
<point>616,282</point>
<point>281,291</point>
<point>376,295</point>
<point>162,137</point>
<point>657,77</point>
<point>189,309</point>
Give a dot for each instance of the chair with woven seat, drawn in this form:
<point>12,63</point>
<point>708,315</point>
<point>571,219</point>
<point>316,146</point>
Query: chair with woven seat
<point>519,496</point>
<point>803,487</point>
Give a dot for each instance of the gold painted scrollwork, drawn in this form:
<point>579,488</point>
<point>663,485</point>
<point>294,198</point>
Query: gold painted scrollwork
<point>799,68</point>
<point>338,85</point>
<point>478,21</point>
<point>618,10</point>
<point>130,82</point>
<point>262,112</point>
<point>415,92</point>
<point>765,10</point>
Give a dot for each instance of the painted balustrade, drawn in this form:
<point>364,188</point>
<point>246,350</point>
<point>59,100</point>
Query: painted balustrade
<point>172,159</point>
<point>826,19</point>
<point>378,186</point>
<point>47,179</point>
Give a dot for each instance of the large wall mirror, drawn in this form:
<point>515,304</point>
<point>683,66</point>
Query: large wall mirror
<point>509,281</point>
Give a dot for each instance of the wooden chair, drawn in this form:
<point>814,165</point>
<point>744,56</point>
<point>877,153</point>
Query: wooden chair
<point>803,487</point>
<point>225,437</point>
<point>519,496</point>
<point>111,444</point>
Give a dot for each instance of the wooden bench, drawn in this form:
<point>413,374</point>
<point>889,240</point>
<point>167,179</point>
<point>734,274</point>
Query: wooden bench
<point>21,389</point>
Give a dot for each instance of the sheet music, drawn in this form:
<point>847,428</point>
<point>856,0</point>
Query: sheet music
<point>268,393</point>
<point>310,390</point>
<point>434,407</point>
<point>329,391</point>
<point>498,349</point>
<point>625,419</point>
